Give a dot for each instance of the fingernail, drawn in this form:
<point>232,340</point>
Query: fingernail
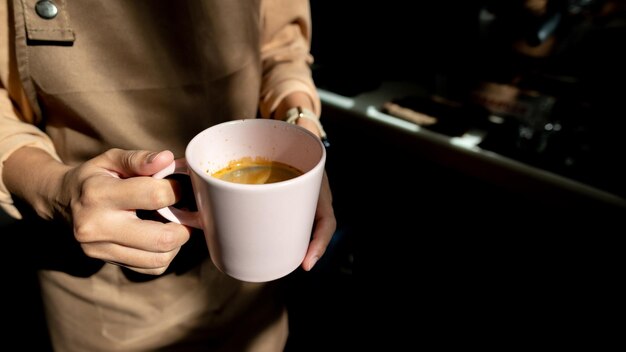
<point>151,157</point>
<point>313,262</point>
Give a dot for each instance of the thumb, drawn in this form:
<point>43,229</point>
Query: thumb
<point>140,162</point>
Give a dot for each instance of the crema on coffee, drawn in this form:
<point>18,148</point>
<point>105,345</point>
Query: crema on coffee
<point>257,171</point>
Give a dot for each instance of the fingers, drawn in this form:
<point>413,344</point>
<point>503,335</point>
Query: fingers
<point>128,163</point>
<point>132,187</point>
<point>127,230</point>
<point>145,246</point>
<point>325,226</point>
<point>309,125</point>
<point>324,230</point>
<point>156,271</point>
<point>144,193</point>
<point>136,260</point>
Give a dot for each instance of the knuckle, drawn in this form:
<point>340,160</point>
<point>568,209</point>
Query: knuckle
<point>89,251</point>
<point>161,197</point>
<point>170,238</point>
<point>167,241</point>
<point>111,153</point>
<point>91,191</point>
<point>161,261</point>
<point>84,232</point>
<point>89,195</point>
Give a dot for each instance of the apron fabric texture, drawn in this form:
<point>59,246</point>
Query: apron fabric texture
<point>143,74</point>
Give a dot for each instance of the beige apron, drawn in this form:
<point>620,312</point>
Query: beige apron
<point>143,74</point>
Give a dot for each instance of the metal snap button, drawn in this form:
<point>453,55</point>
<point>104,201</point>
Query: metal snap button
<point>46,9</point>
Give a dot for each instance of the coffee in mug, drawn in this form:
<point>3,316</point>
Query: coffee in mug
<point>257,171</point>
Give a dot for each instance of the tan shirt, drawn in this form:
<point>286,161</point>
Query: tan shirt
<point>143,74</point>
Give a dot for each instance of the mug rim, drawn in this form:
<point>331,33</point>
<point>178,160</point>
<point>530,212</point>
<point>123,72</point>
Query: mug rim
<point>300,178</point>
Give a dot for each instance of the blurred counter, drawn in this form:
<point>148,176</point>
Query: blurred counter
<point>462,153</point>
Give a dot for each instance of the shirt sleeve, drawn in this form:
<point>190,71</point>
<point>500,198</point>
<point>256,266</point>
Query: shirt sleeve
<point>15,131</point>
<point>285,53</point>
<point>15,134</point>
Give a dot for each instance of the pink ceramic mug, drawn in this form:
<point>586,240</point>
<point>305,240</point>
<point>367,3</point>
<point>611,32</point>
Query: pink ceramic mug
<point>254,232</point>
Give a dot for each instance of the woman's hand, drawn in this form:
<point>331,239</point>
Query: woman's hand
<point>100,198</point>
<point>325,222</point>
<point>325,226</point>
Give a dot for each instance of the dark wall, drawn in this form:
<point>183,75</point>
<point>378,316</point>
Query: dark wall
<point>366,42</point>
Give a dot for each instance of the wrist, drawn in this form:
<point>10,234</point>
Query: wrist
<point>303,116</point>
<point>34,176</point>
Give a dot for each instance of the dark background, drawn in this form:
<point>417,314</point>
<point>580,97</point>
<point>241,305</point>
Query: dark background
<point>444,255</point>
<point>449,47</point>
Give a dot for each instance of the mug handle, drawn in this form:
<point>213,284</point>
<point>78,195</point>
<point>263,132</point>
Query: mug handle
<point>173,214</point>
